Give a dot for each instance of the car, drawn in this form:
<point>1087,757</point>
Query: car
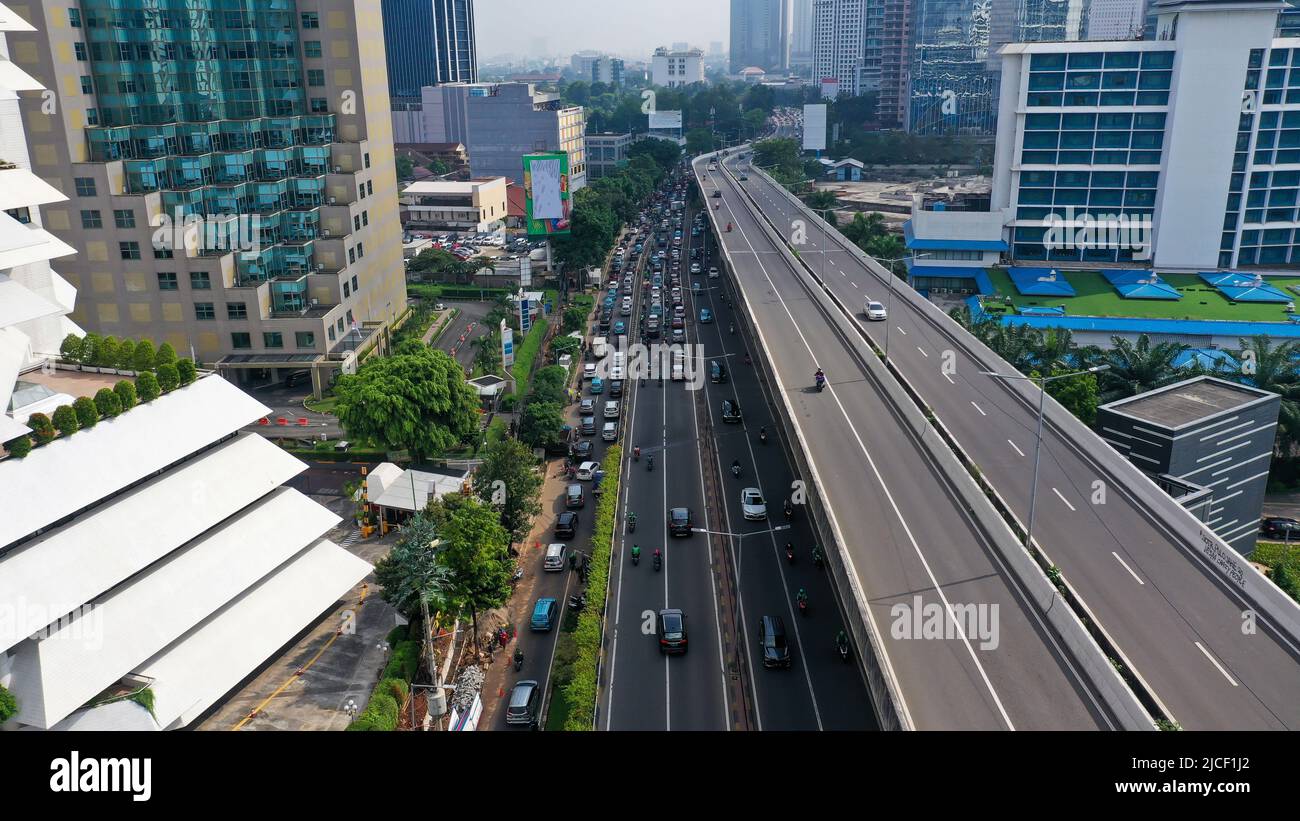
<point>525,701</point>
<point>587,424</point>
<point>573,496</point>
<point>581,450</point>
<point>680,521</point>
<point>616,387</point>
<point>713,272</point>
<point>296,377</point>
<point>586,470</point>
<point>620,327</point>
<point>753,505</point>
<point>589,370</point>
<point>744,178</point>
<point>610,432</point>
<point>717,372</point>
<point>677,337</point>
<point>544,611</point>
<point>566,525</point>
<point>771,637</point>
<point>556,555</point>
<point>695,267</point>
<point>715,194</point>
<point>670,625</point>
<point>597,386</point>
<point>875,311</point>
<point>731,411</point>
<point>1280,527</point>
<point>586,407</point>
<point>611,410</point>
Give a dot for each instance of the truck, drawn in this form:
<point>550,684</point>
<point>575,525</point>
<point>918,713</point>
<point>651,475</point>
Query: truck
<point>599,346</point>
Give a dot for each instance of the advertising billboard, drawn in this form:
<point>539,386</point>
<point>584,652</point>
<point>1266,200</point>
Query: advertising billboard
<point>814,127</point>
<point>507,345</point>
<point>666,119</point>
<point>547,198</point>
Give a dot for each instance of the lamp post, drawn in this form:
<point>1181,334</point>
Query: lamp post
<point>1038,444</point>
<point>889,308</point>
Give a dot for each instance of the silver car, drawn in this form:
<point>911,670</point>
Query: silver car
<point>752,504</point>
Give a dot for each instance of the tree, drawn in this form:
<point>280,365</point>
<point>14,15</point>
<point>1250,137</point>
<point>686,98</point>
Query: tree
<point>90,348</point>
<point>475,550</point>
<point>510,463</point>
<point>699,141</point>
<point>550,384</point>
<point>71,348</point>
<point>146,385</point>
<point>487,352</point>
<point>1078,394</point>
<point>18,448</point>
<point>1138,368</point>
<point>65,419</point>
<point>86,411</point>
<point>562,345</point>
<point>109,350</point>
<point>8,705</point>
<point>575,319</point>
<point>186,370</point>
<point>1273,368</point>
<point>404,167</point>
<point>540,424</point>
<point>144,356</point>
<point>821,200</point>
<point>411,572</point>
<point>125,390</point>
<point>125,355</point>
<point>169,379</point>
<point>437,167</point>
<point>416,400</point>
<point>42,427</point>
<point>107,402</point>
<point>166,355</point>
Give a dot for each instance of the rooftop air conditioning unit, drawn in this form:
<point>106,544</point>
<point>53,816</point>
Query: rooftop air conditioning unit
<point>315,302</point>
<point>324,232</point>
<point>320,266</point>
<point>333,200</point>
<point>338,169</point>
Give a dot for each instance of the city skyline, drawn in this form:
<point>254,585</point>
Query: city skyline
<point>621,27</point>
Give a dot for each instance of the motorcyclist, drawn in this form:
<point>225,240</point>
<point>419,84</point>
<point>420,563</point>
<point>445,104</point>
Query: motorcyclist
<point>731,328</point>
<point>650,462</point>
<point>820,375</point>
<point>636,453</point>
<point>789,509</point>
<point>636,552</point>
<point>789,548</point>
<point>519,657</point>
<point>735,466</point>
<point>803,596</point>
<point>842,640</point>
<point>762,434</point>
<point>817,554</point>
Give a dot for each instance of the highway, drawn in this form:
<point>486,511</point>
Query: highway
<point>701,690</point>
<point>909,541</point>
<point>1177,623</point>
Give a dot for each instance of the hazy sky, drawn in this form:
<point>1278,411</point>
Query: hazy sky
<point>632,27</point>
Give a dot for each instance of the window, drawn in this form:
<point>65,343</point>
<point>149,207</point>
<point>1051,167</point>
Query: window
<point>80,50</point>
<point>240,340</point>
<point>311,48</point>
<point>310,20</point>
<point>365,217</point>
<point>74,18</point>
<point>124,217</point>
<point>362,191</point>
<point>315,77</point>
<point>356,222</point>
<point>91,219</point>
<point>162,253</point>
<point>352,256</point>
<point>129,250</point>
<point>272,339</point>
<point>305,339</point>
<point>319,105</point>
<point>166,281</point>
<point>354,284</point>
<point>200,281</point>
<point>236,310</point>
<point>92,116</point>
<point>87,87</point>
<point>346,292</point>
<point>370,188</point>
<point>85,186</point>
<point>331,332</point>
<point>367,159</point>
<point>204,310</point>
<point>361,250</point>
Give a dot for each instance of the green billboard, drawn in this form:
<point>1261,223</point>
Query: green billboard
<point>546,193</point>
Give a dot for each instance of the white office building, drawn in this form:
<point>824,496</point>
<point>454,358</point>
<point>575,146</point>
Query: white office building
<point>1191,139</point>
<point>1115,19</point>
<point>672,69</point>
<point>839,46</point>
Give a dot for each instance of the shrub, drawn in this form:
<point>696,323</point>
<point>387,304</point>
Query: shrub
<point>42,427</point>
<point>109,350</point>
<point>70,350</point>
<point>380,713</point>
<point>508,402</point>
<point>65,419</point>
<point>168,378</point>
<point>20,447</point>
<point>126,355</point>
<point>107,403</point>
<point>146,385</point>
<point>8,705</point>
<point>395,688</point>
<point>187,371</point>
<point>87,412</point>
<point>144,355</point>
<point>166,355</point>
<point>90,348</point>
<point>403,661</point>
<point>125,390</point>
<point>397,634</point>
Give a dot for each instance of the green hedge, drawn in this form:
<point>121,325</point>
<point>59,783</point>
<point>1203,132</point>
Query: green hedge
<point>380,714</point>
<point>580,692</point>
<point>396,635</point>
<point>454,292</point>
<point>403,661</point>
<point>526,355</point>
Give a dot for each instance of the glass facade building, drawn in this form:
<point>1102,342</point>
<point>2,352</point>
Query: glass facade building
<point>427,43</point>
<point>952,88</point>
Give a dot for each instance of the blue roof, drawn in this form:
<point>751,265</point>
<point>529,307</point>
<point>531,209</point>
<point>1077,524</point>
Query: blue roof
<point>1140,283</point>
<point>910,240</point>
<point>1241,287</point>
<point>1116,324</point>
<point>1208,358</point>
<point>1040,282</point>
<point>980,276</point>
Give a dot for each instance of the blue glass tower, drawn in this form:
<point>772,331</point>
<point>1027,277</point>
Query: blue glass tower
<point>428,43</point>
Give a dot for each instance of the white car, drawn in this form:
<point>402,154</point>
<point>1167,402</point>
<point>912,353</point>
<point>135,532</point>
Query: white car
<point>752,504</point>
<point>713,272</point>
<point>875,311</point>
<point>611,409</point>
<point>589,370</point>
<point>695,267</point>
<point>586,470</point>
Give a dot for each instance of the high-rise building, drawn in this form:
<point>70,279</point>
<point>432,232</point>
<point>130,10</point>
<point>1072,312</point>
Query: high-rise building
<point>760,35</point>
<point>1115,19</point>
<point>428,42</point>
<point>801,35</point>
<point>839,42</point>
<point>672,69</point>
<point>895,62</point>
<point>1051,21</point>
<point>233,176</point>
<point>594,67</point>
<point>952,88</point>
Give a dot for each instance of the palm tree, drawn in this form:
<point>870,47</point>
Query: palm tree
<point>1138,368</point>
<point>1272,368</point>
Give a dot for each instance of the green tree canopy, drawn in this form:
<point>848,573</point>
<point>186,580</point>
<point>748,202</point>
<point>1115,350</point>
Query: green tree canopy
<point>540,424</point>
<point>411,572</point>
<point>511,463</point>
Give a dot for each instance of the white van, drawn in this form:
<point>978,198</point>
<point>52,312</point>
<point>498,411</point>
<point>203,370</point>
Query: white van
<point>679,366</point>
<point>610,432</point>
<point>556,554</point>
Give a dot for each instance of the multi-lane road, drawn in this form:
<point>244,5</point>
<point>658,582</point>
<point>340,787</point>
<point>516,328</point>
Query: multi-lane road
<point>1178,625</point>
<point>716,685</point>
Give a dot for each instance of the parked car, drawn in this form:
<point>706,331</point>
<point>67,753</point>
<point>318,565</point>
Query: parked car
<point>544,611</point>
<point>556,556</point>
<point>566,525</point>
<point>525,702</point>
<point>1281,528</point>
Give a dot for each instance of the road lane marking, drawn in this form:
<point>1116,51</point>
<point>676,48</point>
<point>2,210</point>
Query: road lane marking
<point>1129,569</point>
<point>978,408</point>
<point>951,381</point>
<point>1216,664</point>
<point>1063,499</point>
<point>900,330</point>
<point>1016,449</point>
<point>854,284</point>
<point>926,355</point>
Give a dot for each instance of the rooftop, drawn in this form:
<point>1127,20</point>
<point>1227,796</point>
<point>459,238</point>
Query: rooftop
<point>449,186</point>
<point>1190,401</point>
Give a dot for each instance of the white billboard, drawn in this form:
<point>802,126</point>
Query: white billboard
<point>666,119</point>
<point>507,344</point>
<point>547,203</point>
<point>814,127</point>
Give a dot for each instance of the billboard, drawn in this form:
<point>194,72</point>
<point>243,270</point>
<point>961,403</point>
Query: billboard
<point>546,193</point>
<point>507,345</point>
<point>830,88</point>
<point>814,127</point>
<point>666,119</point>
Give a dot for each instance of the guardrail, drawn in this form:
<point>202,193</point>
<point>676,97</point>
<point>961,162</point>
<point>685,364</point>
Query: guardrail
<point>1129,709</point>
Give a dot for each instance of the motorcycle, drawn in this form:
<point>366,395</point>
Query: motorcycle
<point>789,552</point>
<point>731,329</point>
<point>631,524</point>
<point>842,645</point>
<point>789,510</point>
<point>659,560</point>
<point>803,607</point>
<point>821,382</point>
<point>578,602</point>
<point>649,463</point>
<point>728,228</point>
<point>519,661</point>
<point>636,555</point>
<point>817,556</point>
<point>735,470</point>
<point>636,454</point>
<point>762,436</point>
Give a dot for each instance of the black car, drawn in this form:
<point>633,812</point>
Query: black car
<point>716,194</point>
<point>1280,527</point>
<point>671,627</point>
<point>587,425</point>
<point>566,525</point>
<point>616,387</point>
<point>730,411</point>
<point>680,521</point>
<point>581,451</point>
<point>717,371</point>
<point>771,637</point>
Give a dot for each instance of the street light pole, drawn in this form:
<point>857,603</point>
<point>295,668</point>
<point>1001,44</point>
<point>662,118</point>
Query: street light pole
<point>889,309</point>
<point>1038,443</point>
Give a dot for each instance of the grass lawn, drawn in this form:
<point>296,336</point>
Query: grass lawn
<point>1094,296</point>
<point>323,405</point>
<point>525,354</point>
